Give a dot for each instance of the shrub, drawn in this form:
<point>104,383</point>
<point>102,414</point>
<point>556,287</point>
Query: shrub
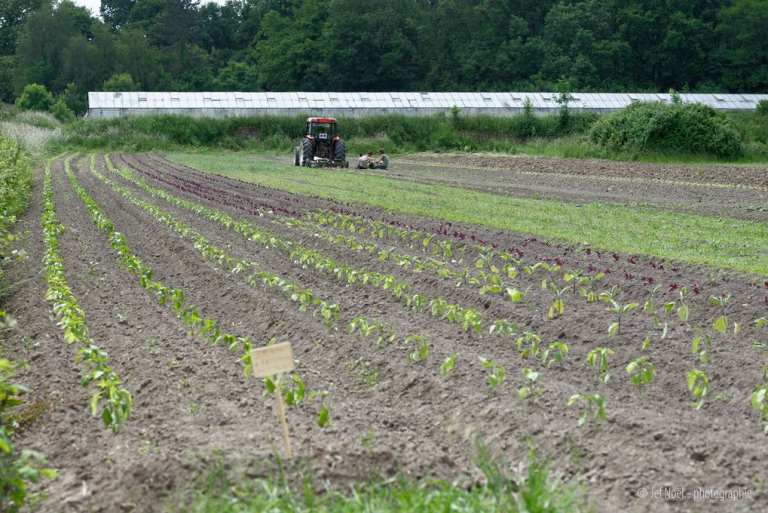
<point>762,107</point>
<point>660,127</point>
<point>35,97</point>
<point>62,112</point>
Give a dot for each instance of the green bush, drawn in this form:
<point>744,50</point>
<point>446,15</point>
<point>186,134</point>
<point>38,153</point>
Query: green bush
<point>762,107</point>
<point>62,112</point>
<point>674,128</point>
<point>34,97</point>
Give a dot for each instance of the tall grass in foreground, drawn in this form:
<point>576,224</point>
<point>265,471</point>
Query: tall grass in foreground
<point>527,488</point>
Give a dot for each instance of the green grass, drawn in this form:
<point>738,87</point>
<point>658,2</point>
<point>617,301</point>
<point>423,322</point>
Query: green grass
<point>712,241</point>
<point>535,489</point>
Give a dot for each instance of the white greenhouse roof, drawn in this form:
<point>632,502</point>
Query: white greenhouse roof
<point>395,101</point>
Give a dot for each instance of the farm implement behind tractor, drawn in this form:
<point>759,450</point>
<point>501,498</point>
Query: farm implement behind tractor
<point>321,147</point>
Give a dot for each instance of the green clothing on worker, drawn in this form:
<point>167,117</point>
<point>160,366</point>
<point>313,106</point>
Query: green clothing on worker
<point>384,160</point>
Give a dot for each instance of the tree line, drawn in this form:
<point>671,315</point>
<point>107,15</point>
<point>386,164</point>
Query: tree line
<point>383,45</point>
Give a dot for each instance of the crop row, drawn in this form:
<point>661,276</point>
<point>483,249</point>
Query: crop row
<point>117,401</point>
<point>467,318</point>
<point>206,328</point>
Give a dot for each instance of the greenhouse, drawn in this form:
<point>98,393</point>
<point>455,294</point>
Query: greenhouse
<point>114,104</point>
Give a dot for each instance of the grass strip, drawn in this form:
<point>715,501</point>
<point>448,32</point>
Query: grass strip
<point>713,241</point>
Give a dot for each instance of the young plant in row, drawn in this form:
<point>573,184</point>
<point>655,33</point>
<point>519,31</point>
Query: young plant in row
<point>503,327</point>
<point>618,310</point>
<point>598,359</point>
<point>650,307</point>
<point>698,385</point>
<point>294,393</point>
<point>422,350</point>
<point>721,323</point>
<point>554,354</point>
<point>557,308</point>
<point>641,372</point>
<point>532,389</point>
<point>529,345</point>
<point>574,276</point>
<point>696,345</point>
<point>595,408</point>
<point>496,372</point>
<point>448,364</point>
<point>589,286</point>
<point>383,331</point>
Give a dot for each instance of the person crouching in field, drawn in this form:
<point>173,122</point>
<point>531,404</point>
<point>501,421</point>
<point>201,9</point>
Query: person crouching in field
<point>382,162</point>
<point>364,161</point>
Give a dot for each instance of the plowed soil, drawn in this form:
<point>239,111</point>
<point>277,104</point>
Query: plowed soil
<point>193,405</point>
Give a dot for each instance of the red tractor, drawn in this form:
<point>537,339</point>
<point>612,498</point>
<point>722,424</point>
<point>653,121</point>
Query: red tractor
<point>321,147</point>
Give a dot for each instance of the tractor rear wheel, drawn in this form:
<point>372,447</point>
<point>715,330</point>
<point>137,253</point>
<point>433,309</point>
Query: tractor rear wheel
<point>306,152</point>
<point>296,159</point>
<point>340,151</point>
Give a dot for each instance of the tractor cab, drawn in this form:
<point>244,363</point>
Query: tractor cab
<point>322,129</point>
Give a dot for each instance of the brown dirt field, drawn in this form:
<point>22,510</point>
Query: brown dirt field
<point>193,405</point>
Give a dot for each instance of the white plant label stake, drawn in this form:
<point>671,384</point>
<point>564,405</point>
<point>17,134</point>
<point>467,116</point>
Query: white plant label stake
<point>271,361</point>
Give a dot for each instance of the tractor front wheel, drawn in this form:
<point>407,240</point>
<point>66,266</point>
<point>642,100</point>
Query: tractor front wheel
<point>340,151</point>
<point>296,158</point>
<point>306,153</point>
